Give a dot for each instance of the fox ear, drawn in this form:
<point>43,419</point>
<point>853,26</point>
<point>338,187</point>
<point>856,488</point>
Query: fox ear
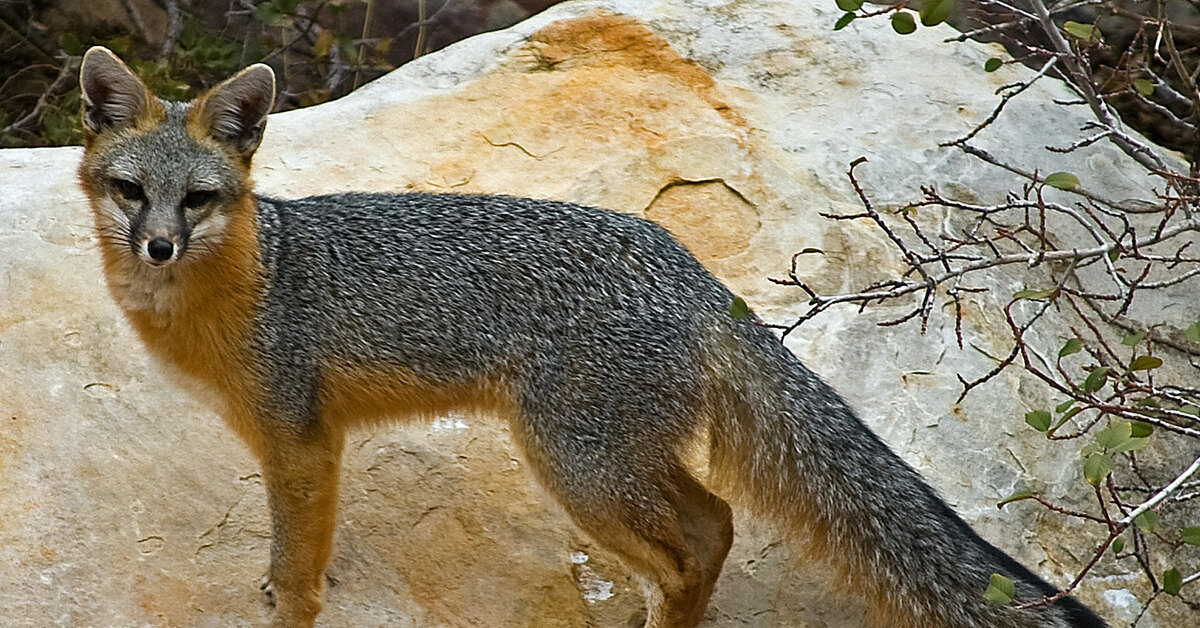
<point>112,96</point>
<point>235,111</point>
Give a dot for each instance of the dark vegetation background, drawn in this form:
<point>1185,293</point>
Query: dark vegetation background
<point>323,49</point>
<point>319,49</point>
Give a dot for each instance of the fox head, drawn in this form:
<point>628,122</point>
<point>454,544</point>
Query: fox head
<point>163,177</point>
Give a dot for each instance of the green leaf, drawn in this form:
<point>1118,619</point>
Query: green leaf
<point>1114,434</point>
<point>1015,497</point>
<point>1143,87</point>
<point>843,21</point>
<point>1000,590</point>
<point>1190,410</point>
<point>849,5</point>
<point>1133,340</point>
<point>1073,346</point>
<point>903,23</point>
<point>1193,333</point>
<point>1064,406</point>
<point>1131,444</point>
<point>738,309</point>
<point>1140,429</point>
<point>1171,581</point>
<point>1095,380</point>
<point>993,64</point>
<point>1096,468</point>
<point>1191,535</point>
<point>934,12</point>
<point>1036,294</point>
<point>1086,32</point>
<point>268,14</point>
<point>71,45</point>
<point>1145,363</point>
<point>1147,521</point>
<point>119,44</point>
<point>1063,181</point>
<point>1118,544</point>
<point>1089,449</point>
<point>1038,420</point>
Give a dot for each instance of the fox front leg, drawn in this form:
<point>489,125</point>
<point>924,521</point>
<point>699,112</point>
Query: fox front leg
<point>301,475</point>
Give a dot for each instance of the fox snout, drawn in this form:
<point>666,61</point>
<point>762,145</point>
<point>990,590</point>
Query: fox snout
<point>157,224</point>
<point>158,251</point>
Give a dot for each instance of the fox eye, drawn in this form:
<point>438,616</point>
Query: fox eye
<point>196,198</point>
<point>130,190</point>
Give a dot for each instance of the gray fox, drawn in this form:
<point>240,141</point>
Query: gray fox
<point>607,347</point>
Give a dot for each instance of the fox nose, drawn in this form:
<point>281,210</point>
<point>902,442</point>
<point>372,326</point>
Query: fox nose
<point>160,249</point>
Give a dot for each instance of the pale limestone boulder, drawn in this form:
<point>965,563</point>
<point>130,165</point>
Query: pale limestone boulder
<point>123,502</point>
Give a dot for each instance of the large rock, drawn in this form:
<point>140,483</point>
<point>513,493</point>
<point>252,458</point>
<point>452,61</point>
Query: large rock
<point>125,503</point>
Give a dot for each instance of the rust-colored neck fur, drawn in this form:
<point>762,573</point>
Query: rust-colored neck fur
<point>197,314</point>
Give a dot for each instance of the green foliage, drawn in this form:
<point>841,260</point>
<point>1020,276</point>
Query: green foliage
<point>1038,420</point>
<point>1132,340</point>
<point>1147,521</point>
<point>1015,497</point>
<point>1145,363</point>
<point>60,123</point>
<point>1118,437</point>
<point>1096,468</point>
<point>1096,379</point>
<point>1116,433</point>
<point>934,12</point>
<point>1036,294</point>
<point>1073,346</point>
<point>903,23</point>
<point>202,48</point>
<point>157,75</point>
<point>849,5</point>
<point>1118,544</point>
<point>993,64</point>
<point>1000,590</point>
<point>1191,535</point>
<point>272,13</point>
<point>1063,181</point>
<point>1086,33</point>
<point>738,309</point>
<point>1143,87</point>
<point>71,45</point>
<point>1172,581</point>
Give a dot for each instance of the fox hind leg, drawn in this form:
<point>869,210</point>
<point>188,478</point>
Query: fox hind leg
<point>661,522</point>
<point>707,523</point>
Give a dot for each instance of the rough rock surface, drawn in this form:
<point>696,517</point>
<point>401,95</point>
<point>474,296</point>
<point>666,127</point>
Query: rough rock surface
<point>125,503</point>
